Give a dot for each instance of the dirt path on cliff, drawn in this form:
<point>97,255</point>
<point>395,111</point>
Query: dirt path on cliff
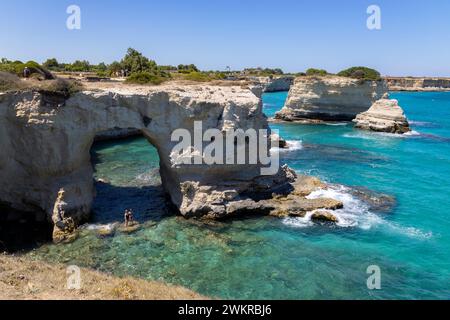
<point>24,279</point>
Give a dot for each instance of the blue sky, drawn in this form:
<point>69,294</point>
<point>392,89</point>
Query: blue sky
<point>290,34</point>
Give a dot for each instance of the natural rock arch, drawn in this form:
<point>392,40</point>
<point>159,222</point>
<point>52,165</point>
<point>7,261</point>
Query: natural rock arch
<point>45,142</point>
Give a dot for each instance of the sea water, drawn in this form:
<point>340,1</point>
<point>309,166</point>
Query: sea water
<point>396,192</point>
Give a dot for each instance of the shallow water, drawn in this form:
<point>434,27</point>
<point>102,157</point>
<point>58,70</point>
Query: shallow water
<point>407,235</point>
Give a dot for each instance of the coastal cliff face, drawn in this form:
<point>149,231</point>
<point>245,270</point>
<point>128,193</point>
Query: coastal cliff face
<point>45,140</point>
<point>45,162</point>
<point>418,84</point>
<point>383,116</point>
<point>330,98</point>
<point>275,84</point>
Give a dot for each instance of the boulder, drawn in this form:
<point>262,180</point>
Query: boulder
<point>383,116</point>
<point>324,216</point>
<point>278,142</point>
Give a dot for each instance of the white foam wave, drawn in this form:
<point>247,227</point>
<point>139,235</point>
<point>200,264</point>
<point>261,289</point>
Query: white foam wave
<point>355,214</point>
<point>412,133</point>
<point>292,145</point>
<point>420,123</point>
<point>94,227</point>
<point>378,135</point>
<point>335,124</point>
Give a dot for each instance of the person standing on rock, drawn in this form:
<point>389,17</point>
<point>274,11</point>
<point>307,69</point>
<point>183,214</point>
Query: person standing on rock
<point>128,217</point>
<point>26,72</point>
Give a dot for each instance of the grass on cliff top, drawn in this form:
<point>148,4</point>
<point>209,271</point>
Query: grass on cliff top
<point>11,82</point>
<point>26,279</point>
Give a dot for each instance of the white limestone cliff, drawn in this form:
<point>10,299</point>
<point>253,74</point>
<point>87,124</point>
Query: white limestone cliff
<point>45,142</point>
<point>330,98</point>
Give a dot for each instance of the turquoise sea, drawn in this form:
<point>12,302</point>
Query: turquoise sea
<point>406,234</point>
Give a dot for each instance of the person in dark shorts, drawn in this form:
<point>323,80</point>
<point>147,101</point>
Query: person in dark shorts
<point>128,217</point>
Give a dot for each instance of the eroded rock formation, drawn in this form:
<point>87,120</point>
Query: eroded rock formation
<point>275,84</point>
<point>45,142</point>
<point>383,116</point>
<point>330,98</point>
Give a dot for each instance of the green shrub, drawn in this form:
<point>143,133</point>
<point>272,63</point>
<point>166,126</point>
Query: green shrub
<point>60,86</point>
<point>145,78</point>
<point>197,76</point>
<point>17,67</point>
<point>316,72</point>
<point>362,73</point>
<point>187,68</point>
<point>102,74</point>
<point>9,81</point>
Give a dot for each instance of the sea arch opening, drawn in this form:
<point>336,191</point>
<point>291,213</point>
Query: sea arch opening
<point>126,172</point>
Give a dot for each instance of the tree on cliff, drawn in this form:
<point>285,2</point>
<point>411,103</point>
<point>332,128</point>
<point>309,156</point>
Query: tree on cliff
<point>134,61</point>
<point>52,64</point>
<point>362,73</point>
<point>187,68</point>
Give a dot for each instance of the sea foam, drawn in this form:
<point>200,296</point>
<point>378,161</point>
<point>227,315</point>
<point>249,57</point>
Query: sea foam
<point>355,214</point>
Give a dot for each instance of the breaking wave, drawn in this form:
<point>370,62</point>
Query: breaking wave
<point>292,145</point>
<point>355,214</point>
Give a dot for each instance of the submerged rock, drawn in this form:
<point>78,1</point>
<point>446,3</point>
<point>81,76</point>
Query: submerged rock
<point>330,98</point>
<point>383,116</point>
<point>130,228</point>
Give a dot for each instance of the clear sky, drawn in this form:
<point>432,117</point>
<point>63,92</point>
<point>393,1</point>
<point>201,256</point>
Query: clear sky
<point>290,34</point>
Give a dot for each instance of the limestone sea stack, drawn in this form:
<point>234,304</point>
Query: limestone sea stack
<point>384,116</point>
<point>330,98</point>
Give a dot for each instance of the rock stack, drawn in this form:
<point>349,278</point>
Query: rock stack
<point>384,116</point>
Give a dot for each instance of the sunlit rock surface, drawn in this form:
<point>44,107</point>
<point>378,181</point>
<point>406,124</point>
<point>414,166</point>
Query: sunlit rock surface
<point>330,98</point>
<point>46,139</point>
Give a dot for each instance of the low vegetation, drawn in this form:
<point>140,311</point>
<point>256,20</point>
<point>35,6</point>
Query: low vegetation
<point>145,77</point>
<point>316,72</point>
<point>59,86</point>
<point>18,67</point>
<point>11,82</point>
<point>362,73</point>
<point>204,76</point>
<point>263,72</point>
<point>138,69</point>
